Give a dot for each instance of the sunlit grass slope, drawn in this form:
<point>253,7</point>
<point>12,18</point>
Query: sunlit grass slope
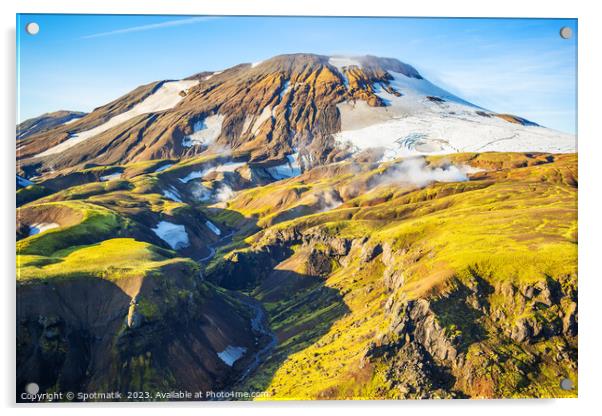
<point>513,227</point>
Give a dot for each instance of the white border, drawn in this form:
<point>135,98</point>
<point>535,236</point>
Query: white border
<point>590,140</point>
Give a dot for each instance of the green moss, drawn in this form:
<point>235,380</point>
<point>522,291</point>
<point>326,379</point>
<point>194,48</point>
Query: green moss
<point>514,224</point>
<point>31,193</point>
<point>148,309</point>
<point>96,224</point>
<point>112,259</point>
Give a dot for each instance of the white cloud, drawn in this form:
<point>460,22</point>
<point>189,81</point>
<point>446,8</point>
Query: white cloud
<point>153,26</point>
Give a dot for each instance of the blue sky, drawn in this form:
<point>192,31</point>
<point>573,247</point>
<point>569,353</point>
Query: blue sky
<point>79,62</point>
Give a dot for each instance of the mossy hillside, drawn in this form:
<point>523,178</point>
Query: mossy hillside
<point>102,170</point>
<point>513,224</point>
<point>164,304</point>
<point>519,231</point>
<point>322,379</point>
<point>495,161</point>
<point>87,190</point>
<point>132,169</point>
<point>172,309</point>
<point>314,191</point>
<point>357,183</point>
<point>259,202</point>
<point>133,203</point>
<point>80,184</point>
<point>31,193</point>
<point>144,167</point>
<point>111,259</point>
<point>501,368</point>
<point>69,186</point>
<point>467,223</point>
<point>66,178</point>
<point>268,203</point>
<point>481,230</point>
<point>184,167</point>
<point>97,223</point>
<point>331,337</point>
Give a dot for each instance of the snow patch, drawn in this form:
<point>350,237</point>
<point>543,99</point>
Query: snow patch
<point>254,64</point>
<point>285,88</point>
<point>213,228</point>
<point>226,167</point>
<point>172,193</point>
<point>208,77</point>
<point>192,175</point>
<point>342,62</point>
<point>419,87</point>
<point>164,167</point>
<point>72,120</point>
<point>205,131</point>
<point>433,134</point>
<point>287,170</point>
<point>110,177</point>
<point>265,114</point>
<point>231,354</point>
<point>23,181</point>
<point>413,125</point>
<point>173,234</point>
<point>246,124</point>
<point>166,97</point>
<point>40,227</point>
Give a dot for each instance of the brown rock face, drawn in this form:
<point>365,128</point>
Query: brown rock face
<point>268,110</point>
<point>46,121</point>
<point>134,334</point>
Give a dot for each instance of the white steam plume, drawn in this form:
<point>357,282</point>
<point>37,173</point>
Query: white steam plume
<point>224,193</point>
<point>416,171</point>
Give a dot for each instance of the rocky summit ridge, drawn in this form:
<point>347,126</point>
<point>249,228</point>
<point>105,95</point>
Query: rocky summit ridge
<point>324,108</point>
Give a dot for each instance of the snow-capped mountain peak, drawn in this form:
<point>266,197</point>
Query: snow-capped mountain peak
<point>327,107</point>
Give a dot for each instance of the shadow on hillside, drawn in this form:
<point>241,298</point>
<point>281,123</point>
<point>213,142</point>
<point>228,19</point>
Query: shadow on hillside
<point>299,309</point>
<point>63,327</point>
<point>205,243</point>
<point>76,334</point>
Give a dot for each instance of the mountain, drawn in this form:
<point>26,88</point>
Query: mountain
<point>46,121</point>
<point>306,227</point>
<point>328,107</point>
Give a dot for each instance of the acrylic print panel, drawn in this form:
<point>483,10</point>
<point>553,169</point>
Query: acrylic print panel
<point>267,208</point>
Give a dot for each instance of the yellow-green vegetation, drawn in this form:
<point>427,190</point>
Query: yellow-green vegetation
<point>353,271</point>
<point>134,202</point>
<point>187,165</point>
<point>111,259</point>
<point>307,194</point>
<point>86,223</point>
<point>323,330</point>
<point>31,193</point>
<point>144,167</point>
<point>513,226</point>
<point>87,190</point>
